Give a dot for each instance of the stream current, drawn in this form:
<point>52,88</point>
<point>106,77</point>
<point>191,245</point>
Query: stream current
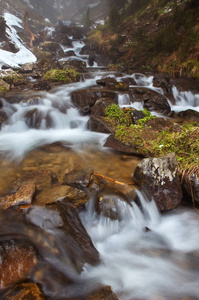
<point>159,263</point>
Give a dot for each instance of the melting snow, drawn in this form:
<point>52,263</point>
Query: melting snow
<point>23,55</point>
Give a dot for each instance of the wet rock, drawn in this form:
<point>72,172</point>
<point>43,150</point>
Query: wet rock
<point>158,178</point>
<point>188,114</point>
<point>70,239</point>
<point>30,118</point>
<point>17,262</point>
<point>136,115</point>
<point>102,59</point>
<point>155,102</point>
<point>62,39</point>
<point>100,106</point>
<point>11,47</point>
<point>69,53</point>
<point>52,47</point>
<point>44,64</point>
<point>128,80</point>
<point>99,124</point>
<point>91,58</point>
<point>103,293</point>
<point>27,68</point>
<point>42,86</point>
<point>3,116</point>
<point>42,178</point>
<point>96,184</point>
<point>85,99</point>
<point>75,63</point>
<point>72,30</point>
<point>111,203</point>
<point>111,83</point>
<point>5,86</point>
<point>63,193</point>
<point>24,196</point>
<point>77,177</point>
<point>113,143</point>
<point>163,81</point>
<point>23,291</point>
<point>190,185</point>
<point>108,82</point>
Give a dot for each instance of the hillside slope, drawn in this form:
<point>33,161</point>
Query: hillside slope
<point>154,35</point>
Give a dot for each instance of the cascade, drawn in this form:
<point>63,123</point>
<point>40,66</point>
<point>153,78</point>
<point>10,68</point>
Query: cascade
<point>145,255</point>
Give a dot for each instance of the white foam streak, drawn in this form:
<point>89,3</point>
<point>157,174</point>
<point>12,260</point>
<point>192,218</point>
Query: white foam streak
<point>144,264</point>
<point>185,100</point>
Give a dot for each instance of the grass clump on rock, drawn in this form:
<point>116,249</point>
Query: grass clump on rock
<point>152,136</point>
<point>62,76</point>
<point>151,141</point>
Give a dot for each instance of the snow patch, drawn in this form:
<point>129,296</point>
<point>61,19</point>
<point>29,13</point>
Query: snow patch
<point>23,55</point>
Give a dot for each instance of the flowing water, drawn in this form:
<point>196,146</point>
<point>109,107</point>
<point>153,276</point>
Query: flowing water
<point>146,255</point>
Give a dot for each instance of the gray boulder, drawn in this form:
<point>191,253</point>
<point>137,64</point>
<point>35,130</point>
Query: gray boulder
<point>158,178</point>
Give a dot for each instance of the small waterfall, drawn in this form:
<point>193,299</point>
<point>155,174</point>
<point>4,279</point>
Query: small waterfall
<point>49,118</point>
<point>185,100</point>
<point>142,80</point>
<point>144,263</point>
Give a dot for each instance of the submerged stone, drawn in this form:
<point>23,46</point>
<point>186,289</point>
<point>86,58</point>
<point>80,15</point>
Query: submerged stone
<point>23,291</point>
<point>17,262</point>
<point>23,196</point>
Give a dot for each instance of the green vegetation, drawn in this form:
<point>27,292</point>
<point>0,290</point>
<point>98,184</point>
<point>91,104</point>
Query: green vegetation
<point>152,136</point>
<point>150,142</point>
<point>63,76</point>
<point>3,89</point>
<point>117,116</point>
<point>14,78</point>
<point>160,34</point>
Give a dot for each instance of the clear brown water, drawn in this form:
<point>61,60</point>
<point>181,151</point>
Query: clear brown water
<point>160,264</point>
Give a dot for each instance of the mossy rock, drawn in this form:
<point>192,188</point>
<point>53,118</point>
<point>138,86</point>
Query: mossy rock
<point>41,54</point>
<point>61,76</point>
<point>122,86</point>
<point>14,79</point>
<point>4,86</point>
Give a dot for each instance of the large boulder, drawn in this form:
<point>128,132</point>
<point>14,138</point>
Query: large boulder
<point>85,99</point>
<point>52,47</point>
<point>99,124</point>
<point>100,106</point>
<point>113,84</point>
<point>158,178</point>
<point>111,204</point>
<point>153,101</point>
<point>163,81</point>
<point>188,114</point>
<point>79,64</point>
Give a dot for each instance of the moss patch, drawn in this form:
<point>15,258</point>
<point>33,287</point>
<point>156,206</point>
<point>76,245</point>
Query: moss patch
<point>183,140</point>
<point>152,136</point>
<point>14,78</point>
<point>62,76</point>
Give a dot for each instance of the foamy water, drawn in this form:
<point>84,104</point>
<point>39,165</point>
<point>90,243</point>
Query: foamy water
<point>140,264</point>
